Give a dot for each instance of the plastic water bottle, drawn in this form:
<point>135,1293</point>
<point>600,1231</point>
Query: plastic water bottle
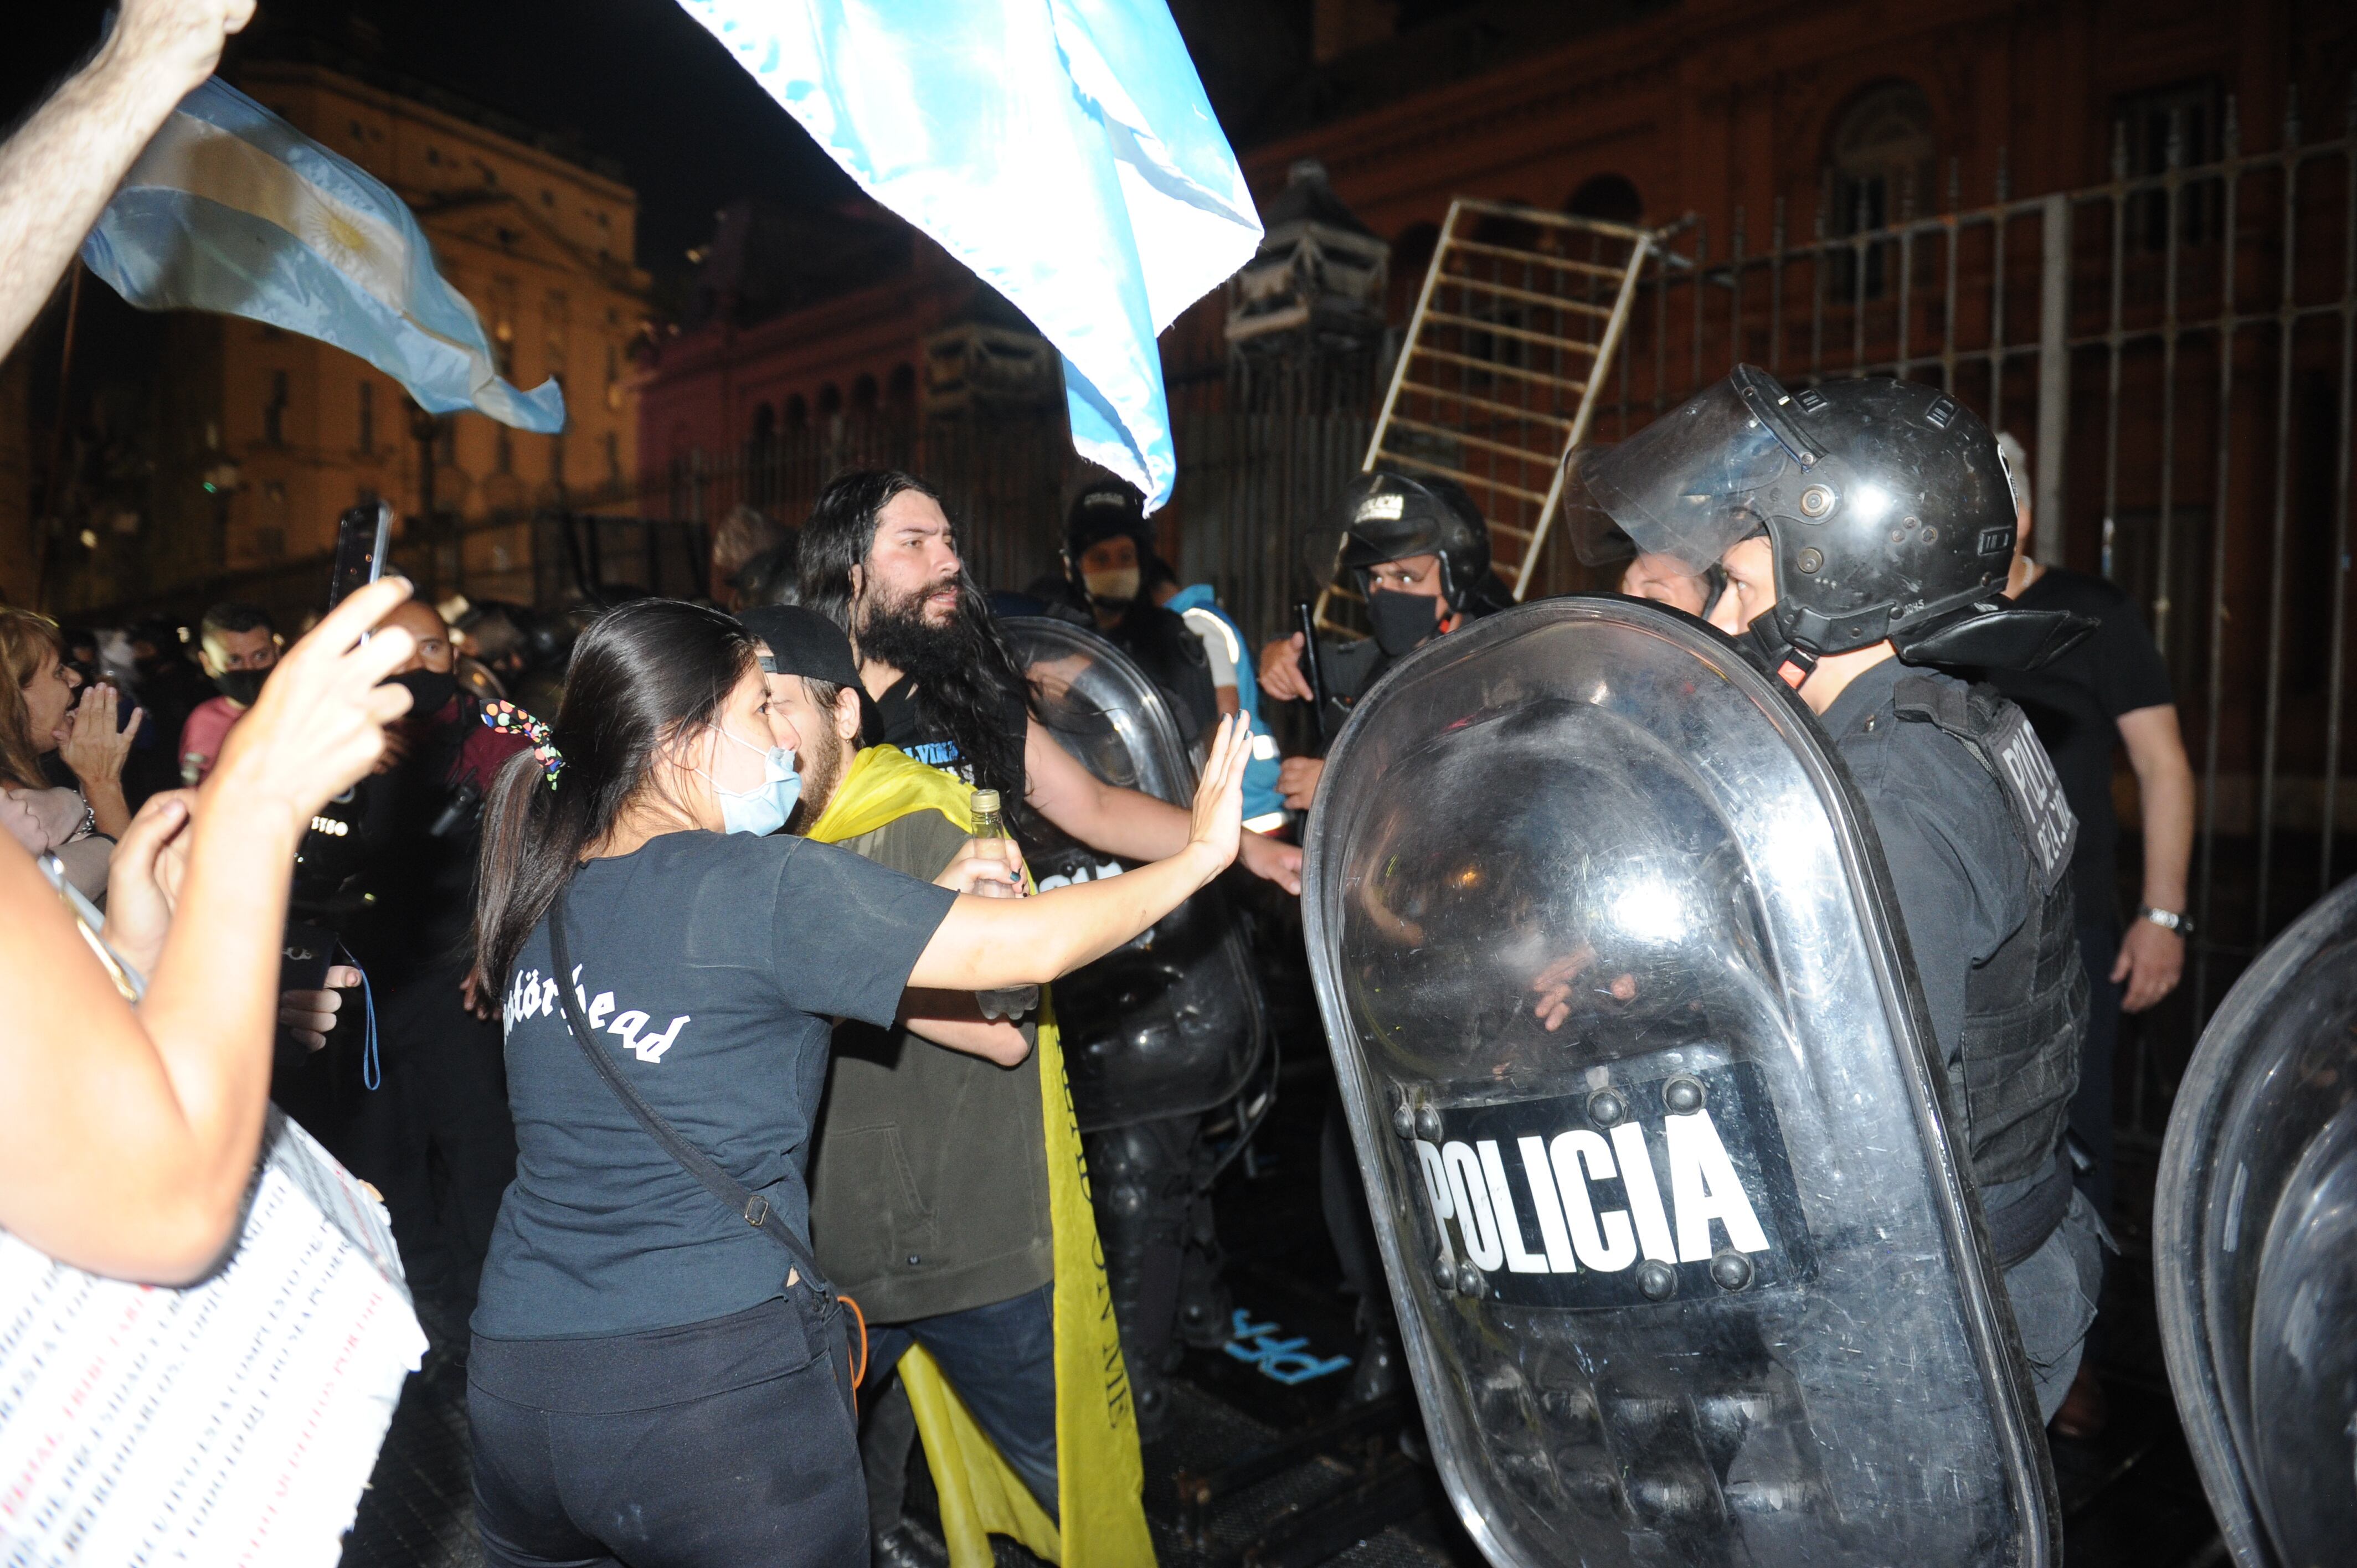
<point>1013,1001</point>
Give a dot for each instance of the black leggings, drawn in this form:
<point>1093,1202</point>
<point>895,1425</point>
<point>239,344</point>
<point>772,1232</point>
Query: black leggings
<point>716,1443</point>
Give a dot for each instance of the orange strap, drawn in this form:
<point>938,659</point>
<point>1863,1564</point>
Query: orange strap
<point>859,1374</point>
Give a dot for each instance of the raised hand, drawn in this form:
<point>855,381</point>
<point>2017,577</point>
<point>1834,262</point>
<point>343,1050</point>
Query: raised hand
<point>143,877</point>
<point>179,42</point>
<point>93,747</point>
<point>319,726</point>
<point>1217,821</point>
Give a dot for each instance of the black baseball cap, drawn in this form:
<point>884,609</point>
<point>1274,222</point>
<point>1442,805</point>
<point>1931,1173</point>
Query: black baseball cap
<point>803,642</point>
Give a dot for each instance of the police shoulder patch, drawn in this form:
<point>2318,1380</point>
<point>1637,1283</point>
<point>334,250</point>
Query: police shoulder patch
<point>1998,735</point>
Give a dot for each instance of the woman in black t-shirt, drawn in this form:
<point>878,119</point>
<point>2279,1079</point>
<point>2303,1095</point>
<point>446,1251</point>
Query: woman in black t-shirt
<point>653,1379</point>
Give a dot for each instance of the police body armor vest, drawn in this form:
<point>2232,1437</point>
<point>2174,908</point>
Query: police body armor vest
<point>2026,1008</point>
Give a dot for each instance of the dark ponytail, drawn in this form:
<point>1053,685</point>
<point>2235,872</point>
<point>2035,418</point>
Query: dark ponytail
<point>639,675</point>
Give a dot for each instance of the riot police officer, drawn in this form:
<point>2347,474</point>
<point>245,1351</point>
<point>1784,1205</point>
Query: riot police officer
<point>1865,527</point>
<point>1108,550</point>
<point>1419,550</point>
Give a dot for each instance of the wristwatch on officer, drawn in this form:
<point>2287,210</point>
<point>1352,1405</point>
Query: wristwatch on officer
<point>2167,920</point>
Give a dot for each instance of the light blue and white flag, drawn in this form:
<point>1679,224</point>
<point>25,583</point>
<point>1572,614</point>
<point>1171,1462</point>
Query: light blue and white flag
<point>1063,149</point>
<point>233,210</point>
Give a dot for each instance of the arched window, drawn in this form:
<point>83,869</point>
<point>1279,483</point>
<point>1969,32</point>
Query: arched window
<point>765,423</point>
<point>863,393</point>
<point>830,400</point>
<point>797,412</point>
<point>901,387</point>
<point>1609,196</point>
<point>1880,168</point>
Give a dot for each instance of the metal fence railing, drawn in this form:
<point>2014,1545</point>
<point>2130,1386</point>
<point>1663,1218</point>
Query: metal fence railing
<point>2174,346</point>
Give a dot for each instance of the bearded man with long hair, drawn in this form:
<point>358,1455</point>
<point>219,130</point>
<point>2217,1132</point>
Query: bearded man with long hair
<point>879,559</point>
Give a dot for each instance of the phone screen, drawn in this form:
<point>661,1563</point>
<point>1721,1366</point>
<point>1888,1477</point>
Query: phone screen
<point>362,535</point>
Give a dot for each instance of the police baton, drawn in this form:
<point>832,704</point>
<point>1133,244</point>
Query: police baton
<point>1305,621</point>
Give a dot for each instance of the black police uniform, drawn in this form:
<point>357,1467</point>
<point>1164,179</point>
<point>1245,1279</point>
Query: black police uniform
<point>1173,659</point>
<point>1995,953</point>
<point>435,1135</point>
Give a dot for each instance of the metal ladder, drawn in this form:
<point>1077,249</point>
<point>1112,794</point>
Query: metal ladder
<point>1512,341</point>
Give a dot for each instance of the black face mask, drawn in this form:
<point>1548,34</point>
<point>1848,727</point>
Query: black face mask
<point>1403,622</point>
<point>429,691</point>
<point>241,686</point>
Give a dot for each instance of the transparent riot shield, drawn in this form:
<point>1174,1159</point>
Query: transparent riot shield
<point>2254,1247</point>
<point>1172,1023</point>
<point>1687,1264</point>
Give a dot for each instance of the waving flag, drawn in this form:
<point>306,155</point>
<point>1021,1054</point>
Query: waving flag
<point>233,210</point>
<point>1063,149</point>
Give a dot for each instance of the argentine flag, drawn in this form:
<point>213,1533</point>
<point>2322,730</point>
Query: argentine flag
<point>1063,149</point>
<point>232,210</point>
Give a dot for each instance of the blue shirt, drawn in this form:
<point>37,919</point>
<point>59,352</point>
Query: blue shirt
<point>711,967</point>
<point>1262,800</point>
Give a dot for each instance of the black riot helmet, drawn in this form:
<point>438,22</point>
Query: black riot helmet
<point>1886,503</point>
<point>1108,509</point>
<point>1389,517</point>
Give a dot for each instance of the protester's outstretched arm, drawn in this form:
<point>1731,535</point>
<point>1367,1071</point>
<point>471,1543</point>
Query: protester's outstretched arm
<point>990,942</point>
<point>127,1136</point>
<point>1129,822</point>
<point>61,169</point>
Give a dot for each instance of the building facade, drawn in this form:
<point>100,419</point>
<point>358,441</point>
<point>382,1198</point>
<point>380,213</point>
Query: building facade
<point>231,459</point>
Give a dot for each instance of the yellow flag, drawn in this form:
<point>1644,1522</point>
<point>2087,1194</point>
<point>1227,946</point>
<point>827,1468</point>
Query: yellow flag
<point>1098,1474</point>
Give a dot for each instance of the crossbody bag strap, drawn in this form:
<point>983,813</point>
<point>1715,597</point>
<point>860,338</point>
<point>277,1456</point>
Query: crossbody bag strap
<point>749,1205</point>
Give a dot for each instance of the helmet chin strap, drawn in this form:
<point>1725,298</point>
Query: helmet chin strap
<point>1762,642</point>
<point>1764,645</point>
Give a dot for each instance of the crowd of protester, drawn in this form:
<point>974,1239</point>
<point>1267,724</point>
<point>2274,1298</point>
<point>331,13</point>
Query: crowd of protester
<point>720,837</point>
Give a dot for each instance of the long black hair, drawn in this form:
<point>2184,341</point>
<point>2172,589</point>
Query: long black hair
<point>640,674</point>
<point>965,675</point>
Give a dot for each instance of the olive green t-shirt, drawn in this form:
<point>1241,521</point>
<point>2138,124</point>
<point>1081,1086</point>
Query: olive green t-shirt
<point>929,1184</point>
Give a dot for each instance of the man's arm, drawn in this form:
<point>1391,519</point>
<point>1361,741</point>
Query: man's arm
<point>1127,822</point>
<point>953,1020</point>
<point>2151,959</point>
<point>60,170</point>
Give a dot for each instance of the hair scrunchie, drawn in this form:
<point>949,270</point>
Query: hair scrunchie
<point>508,719</point>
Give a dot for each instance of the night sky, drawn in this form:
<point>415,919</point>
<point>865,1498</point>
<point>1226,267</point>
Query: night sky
<point>637,80</point>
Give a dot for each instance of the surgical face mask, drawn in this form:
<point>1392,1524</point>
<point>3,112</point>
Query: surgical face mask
<point>1118,585</point>
<point>1403,622</point>
<point>241,686</point>
<point>763,808</point>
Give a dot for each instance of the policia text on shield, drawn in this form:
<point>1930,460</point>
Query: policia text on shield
<point>1706,1050</point>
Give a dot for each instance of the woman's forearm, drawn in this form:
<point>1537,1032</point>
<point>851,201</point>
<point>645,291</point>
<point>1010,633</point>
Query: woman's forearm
<point>212,1004</point>
<point>990,942</point>
<point>108,806</point>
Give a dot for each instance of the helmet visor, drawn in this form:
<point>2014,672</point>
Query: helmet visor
<point>1683,487</point>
